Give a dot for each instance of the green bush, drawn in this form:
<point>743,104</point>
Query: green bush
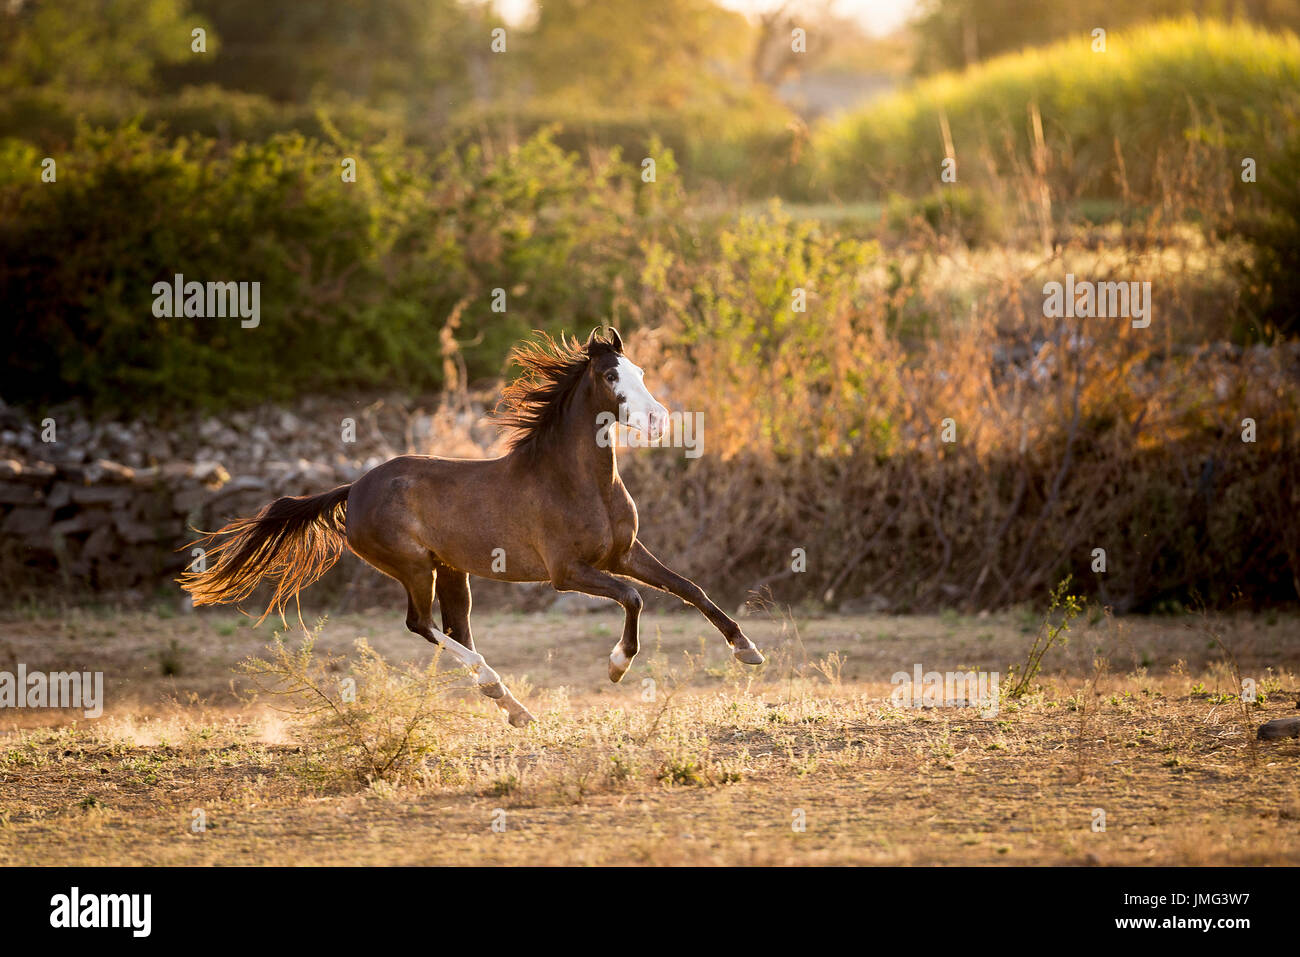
<point>357,279</point>
<point>951,211</point>
<point>759,309</point>
<point>752,147</point>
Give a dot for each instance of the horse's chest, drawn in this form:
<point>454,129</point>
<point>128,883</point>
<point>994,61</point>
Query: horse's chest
<point>622,521</point>
<point>617,526</point>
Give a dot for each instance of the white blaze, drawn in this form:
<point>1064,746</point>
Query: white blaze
<point>642,410</point>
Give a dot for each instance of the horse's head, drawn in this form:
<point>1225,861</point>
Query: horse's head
<point>620,386</point>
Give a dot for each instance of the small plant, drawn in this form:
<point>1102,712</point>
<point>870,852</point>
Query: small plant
<point>371,721</point>
<point>832,668</point>
<point>504,786</point>
<point>620,768</point>
<point>1063,609</point>
<point>682,769</point>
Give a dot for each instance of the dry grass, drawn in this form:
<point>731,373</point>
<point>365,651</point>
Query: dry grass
<point>1133,716</point>
<point>939,442</point>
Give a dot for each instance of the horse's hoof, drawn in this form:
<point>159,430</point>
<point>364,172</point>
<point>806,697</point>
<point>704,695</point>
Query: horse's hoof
<point>618,665</point>
<point>521,718</point>
<point>749,656</point>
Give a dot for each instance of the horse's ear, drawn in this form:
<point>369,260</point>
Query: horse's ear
<point>616,340</point>
<point>591,339</point>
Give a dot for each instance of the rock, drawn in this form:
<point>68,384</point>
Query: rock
<point>211,473</point>
<point>87,520</point>
<point>136,532</point>
<point>187,500</point>
<point>103,470</point>
<point>19,493</point>
<point>244,483</point>
<point>102,543</point>
<point>146,477</point>
<point>866,605</point>
<point>116,496</point>
<point>1279,728</point>
<point>36,472</point>
<point>27,522</point>
<point>60,494</point>
<point>119,494</point>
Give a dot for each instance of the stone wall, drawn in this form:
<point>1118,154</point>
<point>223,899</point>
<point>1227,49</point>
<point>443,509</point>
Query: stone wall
<point>112,505</point>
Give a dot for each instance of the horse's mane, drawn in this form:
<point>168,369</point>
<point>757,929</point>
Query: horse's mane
<point>533,405</point>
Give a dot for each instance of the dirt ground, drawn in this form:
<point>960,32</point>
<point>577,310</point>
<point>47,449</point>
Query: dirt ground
<point>1133,747</point>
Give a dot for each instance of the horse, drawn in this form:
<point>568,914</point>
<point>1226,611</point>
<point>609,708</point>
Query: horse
<point>552,509</point>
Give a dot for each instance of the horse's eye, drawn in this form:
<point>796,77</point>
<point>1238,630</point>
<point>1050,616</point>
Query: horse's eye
<point>611,377</point>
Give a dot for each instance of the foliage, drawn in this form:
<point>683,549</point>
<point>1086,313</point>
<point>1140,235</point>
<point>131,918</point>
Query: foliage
<point>356,279</point>
<point>1113,123</point>
<point>1063,609</point>
<point>365,719</point>
<point>1271,277</point>
<point>767,308</point>
<point>69,44</point>
<point>417,56</point>
<point>966,214</point>
<point>824,430</point>
<point>676,54</point>
<point>952,34</point>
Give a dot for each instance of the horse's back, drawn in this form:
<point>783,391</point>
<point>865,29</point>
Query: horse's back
<point>463,511</point>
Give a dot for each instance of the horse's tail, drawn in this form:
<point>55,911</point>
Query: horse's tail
<point>292,541</point>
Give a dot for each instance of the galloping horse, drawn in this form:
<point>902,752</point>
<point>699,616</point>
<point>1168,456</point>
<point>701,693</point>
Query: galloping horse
<point>553,507</point>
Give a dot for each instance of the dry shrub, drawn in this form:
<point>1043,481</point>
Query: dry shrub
<point>359,719</point>
<point>823,431</point>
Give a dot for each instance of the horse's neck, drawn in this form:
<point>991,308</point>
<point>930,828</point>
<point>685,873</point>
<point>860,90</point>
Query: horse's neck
<point>579,449</point>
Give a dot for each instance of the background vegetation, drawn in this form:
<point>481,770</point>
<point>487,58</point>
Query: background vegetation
<point>521,172</point>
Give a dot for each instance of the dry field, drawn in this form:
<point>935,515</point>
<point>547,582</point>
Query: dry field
<point>711,765</point>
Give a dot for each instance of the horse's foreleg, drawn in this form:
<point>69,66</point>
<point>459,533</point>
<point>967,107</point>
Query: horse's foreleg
<point>592,581</point>
<point>638,563</point>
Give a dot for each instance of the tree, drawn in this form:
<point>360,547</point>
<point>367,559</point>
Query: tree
<point>667,54</point>
<point>73,44</point>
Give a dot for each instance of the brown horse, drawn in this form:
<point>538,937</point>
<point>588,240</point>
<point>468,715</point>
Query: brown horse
<point>552,509</point>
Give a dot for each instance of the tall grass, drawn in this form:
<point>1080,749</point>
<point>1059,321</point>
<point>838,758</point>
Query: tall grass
<point>1112,122</point>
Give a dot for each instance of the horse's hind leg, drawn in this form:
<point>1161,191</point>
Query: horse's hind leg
<point>417,577</point>
<point>456,618</point>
